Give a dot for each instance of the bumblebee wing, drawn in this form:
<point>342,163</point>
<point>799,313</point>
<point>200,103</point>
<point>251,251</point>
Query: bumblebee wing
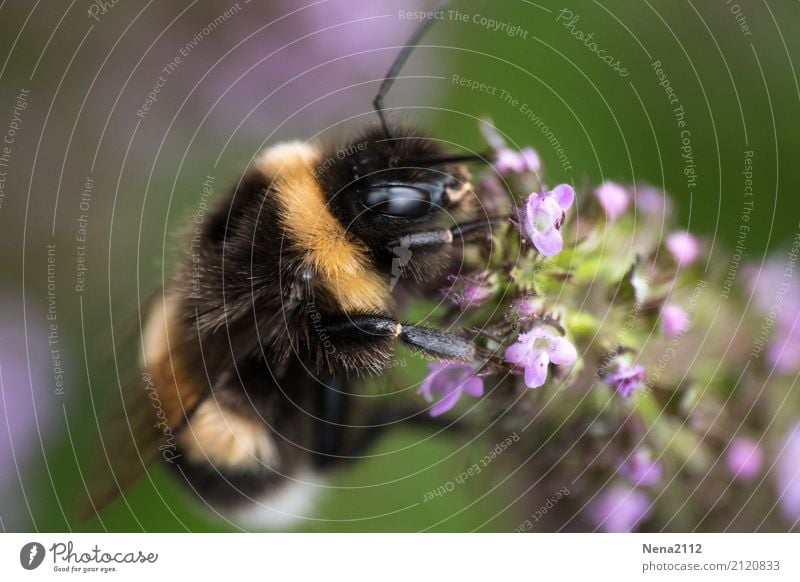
<point>145,415</point>
<point>126,443</point>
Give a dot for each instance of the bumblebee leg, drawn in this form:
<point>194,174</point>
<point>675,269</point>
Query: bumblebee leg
<point>435,238</point>
<point>438,344</point>
<point>358,331</point>
<point>354,341</point>
<point>364,341</point>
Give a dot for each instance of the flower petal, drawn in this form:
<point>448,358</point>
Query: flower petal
<point>744,458</point>
<point>641,469</point>
<point>653,202</point>
<point>530,159</point>
<point>518,353</point>
<point>538,332</point>
<point>674,319</point>
<point>548,243</point>
<point>562,352</point>
<point>435,380</point>
<point>551,206</point>
<point>446,381</point>
<point>532,205</point>
<point>619,509</point>
<point>564,195</point>
<point>473,386</point>
<point>425,389</point>
<point>536,372</point>
<point>613,198</point>
<point>684,247</point>
<point>447,402</point>
<point>508,160</point>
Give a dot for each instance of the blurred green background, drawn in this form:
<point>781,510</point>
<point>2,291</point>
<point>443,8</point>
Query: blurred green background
<point>263,73</point>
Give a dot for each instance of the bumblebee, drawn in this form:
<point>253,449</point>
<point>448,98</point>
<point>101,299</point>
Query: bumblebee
<point>252,349</point>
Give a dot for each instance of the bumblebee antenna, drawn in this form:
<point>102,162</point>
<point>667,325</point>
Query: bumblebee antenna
<point>397,65</point>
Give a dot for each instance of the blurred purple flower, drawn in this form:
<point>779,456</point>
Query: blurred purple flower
<point>626,378</point>
<point>641,469</point>
<point>270,60</point>
<point>674,319</point>
<point>619,509</point>
<point>525,307</point>
<point>652,201</point>
<point>469,291</point>
<point>536,349</point>
<point>744,458</point>
<point>772,294</point>
<point>446,381</point>
<point>684,247</point>
<point>783,351</point>
<point>787,474</point>
<point>542,216</point>
<point>765,282</point>
<point>474,294</point>
<point>519,162</point>
<point>613,198</point>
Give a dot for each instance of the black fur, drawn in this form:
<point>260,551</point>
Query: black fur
<point>370,159</point>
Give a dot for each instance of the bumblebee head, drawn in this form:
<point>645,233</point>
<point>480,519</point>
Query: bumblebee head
<point>383,189</point>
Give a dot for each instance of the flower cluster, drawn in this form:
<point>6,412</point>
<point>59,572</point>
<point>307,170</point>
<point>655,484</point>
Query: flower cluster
<point>596,299</point>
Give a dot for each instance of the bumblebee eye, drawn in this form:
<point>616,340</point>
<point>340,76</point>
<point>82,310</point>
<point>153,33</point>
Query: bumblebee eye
<point>399,201</point>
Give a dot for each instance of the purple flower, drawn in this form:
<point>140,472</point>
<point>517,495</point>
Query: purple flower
<point>474,294</point>
<point>652,201</point>
<point>542,216</point>
<point>674,319</point>
<point>525,307</point>
<point>787,474</point>
<point>470,291</point>
<point>684,247</point>
<point>641,469</point>
<point>619,509</point>
<point>447,381</point>
<point>744,458</point>
<point>506,159</point>
<point>613,198</point>
<point>626,378</point>
<point>763,282</point>
<point>536,349</point>
<point>783,351</point>
<point>767,285</point>
<point>525,160</point>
